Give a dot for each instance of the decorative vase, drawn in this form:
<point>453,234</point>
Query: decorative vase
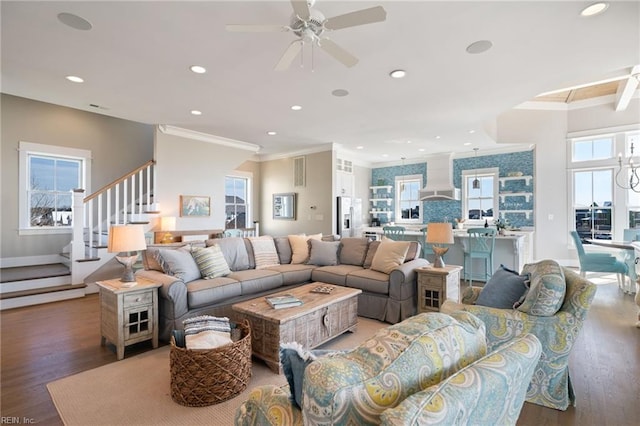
<point>501,231</point>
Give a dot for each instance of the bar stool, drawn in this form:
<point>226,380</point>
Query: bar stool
<point>393,232</point>
<point>481,244</point>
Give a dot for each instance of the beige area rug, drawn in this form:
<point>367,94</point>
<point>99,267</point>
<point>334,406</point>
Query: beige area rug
<point>136,391</point>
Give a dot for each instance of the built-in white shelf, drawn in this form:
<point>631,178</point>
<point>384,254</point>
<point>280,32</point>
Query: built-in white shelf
<point>527,195</point>
<point>526,212</point>
<point>380,212</point>
<point>387,187</point>
<point>527,179</point>
<point>375,200</point>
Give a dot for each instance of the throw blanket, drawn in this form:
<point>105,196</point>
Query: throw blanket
<point>206,332</point>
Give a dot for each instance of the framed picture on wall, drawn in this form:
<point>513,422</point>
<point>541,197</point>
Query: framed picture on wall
<point>284,206</point>
<point>195,206</point>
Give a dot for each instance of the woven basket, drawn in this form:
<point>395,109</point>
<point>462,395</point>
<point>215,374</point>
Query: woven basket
<point>205,377</point>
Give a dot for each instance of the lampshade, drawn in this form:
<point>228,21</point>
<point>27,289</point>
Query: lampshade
<point>124,238</point>
<point>439,233</point>
<point>168,223</point>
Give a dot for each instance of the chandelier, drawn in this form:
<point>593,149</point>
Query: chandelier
<point>634,179</point>
<point>476,181</point>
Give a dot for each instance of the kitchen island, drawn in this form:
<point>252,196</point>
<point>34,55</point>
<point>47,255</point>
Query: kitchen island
<point>513,250</point>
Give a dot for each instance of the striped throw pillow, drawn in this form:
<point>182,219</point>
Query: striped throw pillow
<point>211,262</point>
<point>264,251</point>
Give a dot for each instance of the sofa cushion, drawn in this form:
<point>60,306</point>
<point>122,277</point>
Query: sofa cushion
<point>264,251</point>
<point>353,251</point>
<point>490,391</point>
<point>323,253</point>
<point>206,292</point>
<point>149,259</point>
<point>333,274</point>
<point>294,273</point>
<point>413,251</point>
<point>178,263</point>
<point>504,289</point>
<point>389,256</point>
<point>234,251</point>
<point>369,280</point>
<point>257,280</point>
<point>211,262</point>
<point>371,252</point>
<point>283,247</point>
<point>547,289</point>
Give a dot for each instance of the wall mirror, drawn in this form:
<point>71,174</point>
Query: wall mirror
<point>284,206</point>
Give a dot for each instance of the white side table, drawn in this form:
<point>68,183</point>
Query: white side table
<point>435,285</point>
<point>128,315</point>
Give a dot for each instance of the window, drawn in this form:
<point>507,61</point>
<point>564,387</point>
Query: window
<point>408,199</point>
<point>599,148</point>
<point>592,203</point>
<point>480,203</point>
<point>237,193</point>
<point>48,176</point>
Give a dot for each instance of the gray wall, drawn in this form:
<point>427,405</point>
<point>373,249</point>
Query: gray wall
<point>194,167</point>
<point>277,177</point>
<point>117,146</point>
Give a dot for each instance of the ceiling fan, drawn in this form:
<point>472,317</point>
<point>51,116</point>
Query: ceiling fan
<point>310,25</point>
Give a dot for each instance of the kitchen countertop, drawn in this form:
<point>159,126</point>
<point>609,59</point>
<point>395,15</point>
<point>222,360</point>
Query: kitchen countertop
<point>457,233</point>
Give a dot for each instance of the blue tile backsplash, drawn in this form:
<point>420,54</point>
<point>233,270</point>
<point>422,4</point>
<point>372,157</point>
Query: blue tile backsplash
<point>437,211</point>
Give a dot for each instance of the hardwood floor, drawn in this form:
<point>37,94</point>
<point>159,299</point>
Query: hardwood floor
<point>46,342</point>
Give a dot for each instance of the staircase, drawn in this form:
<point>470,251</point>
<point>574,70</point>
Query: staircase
<point>85,260</point>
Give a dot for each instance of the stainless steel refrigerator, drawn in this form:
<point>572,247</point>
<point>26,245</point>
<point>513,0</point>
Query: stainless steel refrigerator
<point>349,218</point>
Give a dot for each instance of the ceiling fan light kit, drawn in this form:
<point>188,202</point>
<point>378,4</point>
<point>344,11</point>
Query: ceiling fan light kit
<point>310,25</point>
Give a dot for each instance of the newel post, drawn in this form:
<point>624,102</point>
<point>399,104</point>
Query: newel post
<point>77,240</point>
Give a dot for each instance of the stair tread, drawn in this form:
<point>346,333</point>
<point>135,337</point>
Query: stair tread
<point>45,290</point>
<point>30,272</point>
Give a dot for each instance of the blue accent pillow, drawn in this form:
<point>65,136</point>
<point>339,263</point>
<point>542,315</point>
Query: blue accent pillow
<point>504,289</point>
<point>294,359</point>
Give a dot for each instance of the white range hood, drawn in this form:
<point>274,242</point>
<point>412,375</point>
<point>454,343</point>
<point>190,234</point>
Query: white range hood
<point>440,180</point>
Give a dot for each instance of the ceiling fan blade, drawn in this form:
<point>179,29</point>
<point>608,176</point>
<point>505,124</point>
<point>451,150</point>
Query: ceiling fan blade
<point>301,9</point>
<point>359,17</point>
<point>338,52</point>
<point>257,28</point>
<point>289,55</point>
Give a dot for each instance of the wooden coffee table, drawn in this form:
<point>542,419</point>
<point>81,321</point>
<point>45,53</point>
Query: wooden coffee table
<point>320,318</point>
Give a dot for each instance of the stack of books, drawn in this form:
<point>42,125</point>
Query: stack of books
<point>283,301</point>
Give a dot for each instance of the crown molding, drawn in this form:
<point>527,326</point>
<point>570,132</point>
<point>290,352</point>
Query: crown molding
<point>205,137</point>
<point>290,154</point>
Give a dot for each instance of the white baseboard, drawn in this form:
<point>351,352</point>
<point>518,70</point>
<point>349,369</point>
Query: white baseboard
<point>11,262</point>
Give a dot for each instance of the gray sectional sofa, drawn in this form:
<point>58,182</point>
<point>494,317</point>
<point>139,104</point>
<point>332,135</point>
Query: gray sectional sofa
<point>389,297</point>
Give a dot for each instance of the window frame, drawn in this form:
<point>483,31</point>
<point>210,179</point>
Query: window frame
<point>493,172</point>
<point>611,208</point>
<point>26,150</point>
<point>248,177</point>
<point>397,210</point>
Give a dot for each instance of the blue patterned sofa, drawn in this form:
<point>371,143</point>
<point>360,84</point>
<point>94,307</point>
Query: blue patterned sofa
<point>550,385</point>
<point>359,386</point>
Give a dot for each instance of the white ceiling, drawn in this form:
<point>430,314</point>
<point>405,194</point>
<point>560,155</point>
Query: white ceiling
<point>135,63</point>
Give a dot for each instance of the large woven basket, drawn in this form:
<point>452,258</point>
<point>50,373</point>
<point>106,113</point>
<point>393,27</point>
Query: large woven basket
<point>205,377</point>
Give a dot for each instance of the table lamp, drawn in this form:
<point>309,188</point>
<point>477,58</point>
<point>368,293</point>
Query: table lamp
<point>126,240</point>
<point>439,233</point>
<point>167,224</point>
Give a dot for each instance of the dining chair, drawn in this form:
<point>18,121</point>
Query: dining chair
<point>393,232</point>
<point>481,242</point>
<point>599,262</point>
<point>233,233</point>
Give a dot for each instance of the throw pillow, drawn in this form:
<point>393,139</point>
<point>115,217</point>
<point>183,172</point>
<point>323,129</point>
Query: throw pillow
<point>178,263</point>
<point>353,251</point>
<point>371,252</point>
<point>299,248</point>
<point>149,256</point>
<point>234,251</point>
<point>504,289</point>
<point>264,251</point>
<point>547,289</point>
<point>323,253</point>
<point>390,255</point>
<point>283,247</point>
<point>211,262</point>
<point>294,359</point>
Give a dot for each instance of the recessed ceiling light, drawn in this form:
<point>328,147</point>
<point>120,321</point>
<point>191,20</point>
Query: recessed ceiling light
<point>74,78</point>
<point>594,9</point>
<point>271,133</point>
<point>359,147</point>
<point>437,137</point>
<point>467,143</point>
<point>479,46</point>
<point>398,74</point>
<point>196,112</point>
<point>74,21</point>
<point>408,141</point>
<point>421,149</point>
<point>198,69</point>
<point>340,92</point>
<point>385,155</point>
<point>296,107</point>
<point>471,132</point>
